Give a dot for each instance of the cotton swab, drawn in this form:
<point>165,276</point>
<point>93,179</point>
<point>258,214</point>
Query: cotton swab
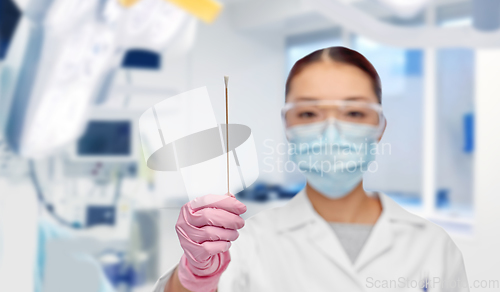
<point>226,81</point>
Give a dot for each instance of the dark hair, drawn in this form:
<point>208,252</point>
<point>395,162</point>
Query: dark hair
<point>338,54</point>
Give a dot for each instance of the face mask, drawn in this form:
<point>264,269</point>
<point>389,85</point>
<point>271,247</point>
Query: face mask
<point>333,163</point>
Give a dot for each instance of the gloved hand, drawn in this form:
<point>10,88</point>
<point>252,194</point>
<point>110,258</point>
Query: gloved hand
<point>206,227</point>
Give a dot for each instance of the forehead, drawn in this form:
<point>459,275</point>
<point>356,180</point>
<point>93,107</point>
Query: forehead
<point>329,80</point>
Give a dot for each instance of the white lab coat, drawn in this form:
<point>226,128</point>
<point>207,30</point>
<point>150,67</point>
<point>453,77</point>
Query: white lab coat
<point>292,248</point>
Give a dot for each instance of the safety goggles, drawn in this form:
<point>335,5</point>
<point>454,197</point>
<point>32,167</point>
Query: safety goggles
<point>345,114</point>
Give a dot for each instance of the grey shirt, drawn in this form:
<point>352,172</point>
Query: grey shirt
<point>352,237</point>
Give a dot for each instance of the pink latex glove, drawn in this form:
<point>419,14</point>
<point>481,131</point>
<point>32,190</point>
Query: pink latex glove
<point>206,227</point>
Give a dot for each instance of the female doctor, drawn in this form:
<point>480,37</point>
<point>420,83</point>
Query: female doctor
<point>332,236</point>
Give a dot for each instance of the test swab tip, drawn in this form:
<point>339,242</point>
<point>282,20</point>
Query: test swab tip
<point>226,80</point>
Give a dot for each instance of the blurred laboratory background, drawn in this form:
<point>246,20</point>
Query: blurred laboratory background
<point>81,211</point>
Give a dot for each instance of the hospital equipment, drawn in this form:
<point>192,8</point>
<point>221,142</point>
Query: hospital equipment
<point>60,58</point>
<point>206,10</point>
<point>80,212</point>
<point>98,162</point>
<point>99,137</point>
<point>71,48</point>
<point>110,136</point>
<point>485,15</point>
<point>58,63</point>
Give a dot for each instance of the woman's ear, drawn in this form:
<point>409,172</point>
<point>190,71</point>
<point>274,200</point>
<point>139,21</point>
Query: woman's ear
<point>383,131</point>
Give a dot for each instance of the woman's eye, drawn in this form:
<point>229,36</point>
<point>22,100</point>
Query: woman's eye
<point>307,115</point>
<point>355,114</point>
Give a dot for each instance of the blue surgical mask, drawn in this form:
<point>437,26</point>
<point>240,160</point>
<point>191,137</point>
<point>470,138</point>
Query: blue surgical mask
<point>333,155</point>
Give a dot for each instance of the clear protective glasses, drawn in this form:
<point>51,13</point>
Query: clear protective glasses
<point>345,114</point>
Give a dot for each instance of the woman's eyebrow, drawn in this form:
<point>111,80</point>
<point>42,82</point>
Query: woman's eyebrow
<point>306,98</point>
<point>357,98</point>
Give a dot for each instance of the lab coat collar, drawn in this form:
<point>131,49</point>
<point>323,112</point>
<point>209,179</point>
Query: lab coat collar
<point>299,216</point>
<point>296,213</point>
<point>299,213</point>
<point>382,236</point>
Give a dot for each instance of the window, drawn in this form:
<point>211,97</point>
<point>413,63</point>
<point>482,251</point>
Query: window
<point>455,131</point>
<point>400,150</point>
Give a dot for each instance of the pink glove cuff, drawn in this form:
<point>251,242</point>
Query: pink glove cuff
<point>196,283</point>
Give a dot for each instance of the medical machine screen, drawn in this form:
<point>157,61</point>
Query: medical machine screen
<point>106,138</point>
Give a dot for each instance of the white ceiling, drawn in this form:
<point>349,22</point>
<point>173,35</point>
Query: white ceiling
<point>294,15</point>
<point>366,17</point>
